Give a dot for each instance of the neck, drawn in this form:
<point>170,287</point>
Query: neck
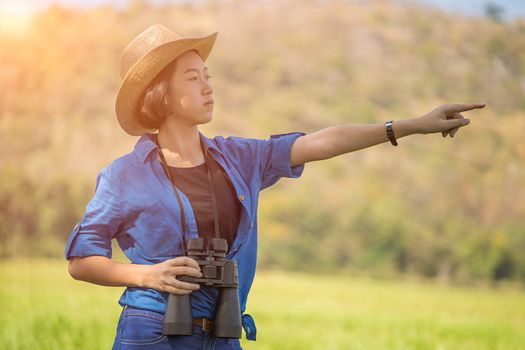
<point>180,144</point>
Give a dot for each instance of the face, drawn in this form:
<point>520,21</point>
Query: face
<point>189,89</point>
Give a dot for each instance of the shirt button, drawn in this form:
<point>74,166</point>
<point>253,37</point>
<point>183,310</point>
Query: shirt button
<point>241,197</point>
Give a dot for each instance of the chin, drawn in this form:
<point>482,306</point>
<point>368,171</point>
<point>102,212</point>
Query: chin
<point>206,118</point>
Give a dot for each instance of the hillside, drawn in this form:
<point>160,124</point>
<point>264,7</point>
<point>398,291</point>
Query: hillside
<point>447,208</point>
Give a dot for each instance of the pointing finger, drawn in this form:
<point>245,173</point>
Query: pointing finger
<point>458,107</point>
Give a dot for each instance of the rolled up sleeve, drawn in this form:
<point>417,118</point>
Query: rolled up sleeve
<point>93,233</point>
<point>276,158</point>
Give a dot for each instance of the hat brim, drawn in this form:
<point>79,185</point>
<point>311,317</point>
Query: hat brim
<point>142,73</point>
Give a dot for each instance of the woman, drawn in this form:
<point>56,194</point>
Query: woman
<point>156,197</point>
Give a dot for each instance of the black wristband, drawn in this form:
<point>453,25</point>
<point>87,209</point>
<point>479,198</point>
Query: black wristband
<point>390,132</point>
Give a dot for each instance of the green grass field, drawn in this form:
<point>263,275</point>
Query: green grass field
<point>42,307</point>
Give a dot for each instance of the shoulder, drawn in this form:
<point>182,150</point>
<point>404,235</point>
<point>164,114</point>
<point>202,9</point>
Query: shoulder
<point>241,140</point>
<point>117,172</point>
<point>275,146</point>
<point>239,147</point>
<point>276,142</point>
<point>236,141</point>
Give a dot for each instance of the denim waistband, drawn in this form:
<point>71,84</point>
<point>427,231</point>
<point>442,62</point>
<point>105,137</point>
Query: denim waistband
<point>247,321</point>
<point>131,310</point>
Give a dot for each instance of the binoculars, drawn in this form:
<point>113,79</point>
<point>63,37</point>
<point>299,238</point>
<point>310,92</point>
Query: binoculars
<point>217,271</point>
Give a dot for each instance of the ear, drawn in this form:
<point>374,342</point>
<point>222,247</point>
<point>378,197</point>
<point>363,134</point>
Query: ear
<point>165,106</point>
<point>165,103</point>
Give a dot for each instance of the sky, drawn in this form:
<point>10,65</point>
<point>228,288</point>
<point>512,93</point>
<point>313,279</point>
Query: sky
<point>512,8</point>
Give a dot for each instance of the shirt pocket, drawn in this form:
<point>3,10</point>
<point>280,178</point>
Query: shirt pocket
<point>157,233</point>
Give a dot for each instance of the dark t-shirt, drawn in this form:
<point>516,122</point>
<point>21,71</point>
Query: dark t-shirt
<point>193,181</point>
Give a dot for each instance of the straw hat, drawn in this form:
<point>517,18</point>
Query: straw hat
<point>140,62</point>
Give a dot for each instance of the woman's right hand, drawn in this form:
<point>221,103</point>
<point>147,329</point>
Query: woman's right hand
<point>162,276</point>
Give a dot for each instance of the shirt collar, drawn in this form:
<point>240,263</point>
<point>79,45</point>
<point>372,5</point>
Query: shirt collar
<point>146,144</point>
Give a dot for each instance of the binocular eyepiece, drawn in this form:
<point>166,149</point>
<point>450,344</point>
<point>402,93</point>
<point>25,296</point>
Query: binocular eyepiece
<point>217,271</point>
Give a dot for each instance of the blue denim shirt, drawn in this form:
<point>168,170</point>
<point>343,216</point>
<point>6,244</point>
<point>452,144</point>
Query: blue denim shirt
<point>135,203</point>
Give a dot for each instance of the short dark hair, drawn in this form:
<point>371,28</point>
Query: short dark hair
<point>152,107</point>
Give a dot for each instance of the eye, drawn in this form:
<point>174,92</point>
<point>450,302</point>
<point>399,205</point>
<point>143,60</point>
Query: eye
<point>195,78</point>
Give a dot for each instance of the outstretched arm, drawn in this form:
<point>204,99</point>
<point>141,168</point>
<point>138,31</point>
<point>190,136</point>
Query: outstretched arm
<point>335,140</point>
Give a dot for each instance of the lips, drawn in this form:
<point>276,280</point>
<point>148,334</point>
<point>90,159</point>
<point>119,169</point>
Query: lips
<point>209,103</point>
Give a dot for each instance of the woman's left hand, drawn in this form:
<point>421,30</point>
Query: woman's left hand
<point>446,118</point>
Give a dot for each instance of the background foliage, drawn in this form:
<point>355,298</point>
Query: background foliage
<point>445,208</point>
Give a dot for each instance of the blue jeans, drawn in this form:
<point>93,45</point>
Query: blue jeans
<point>142,329</point>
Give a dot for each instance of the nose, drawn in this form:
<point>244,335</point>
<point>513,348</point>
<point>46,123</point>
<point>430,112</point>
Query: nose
<point>208,90</point>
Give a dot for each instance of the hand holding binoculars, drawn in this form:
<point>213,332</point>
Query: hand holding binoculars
<point>217,271</point>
